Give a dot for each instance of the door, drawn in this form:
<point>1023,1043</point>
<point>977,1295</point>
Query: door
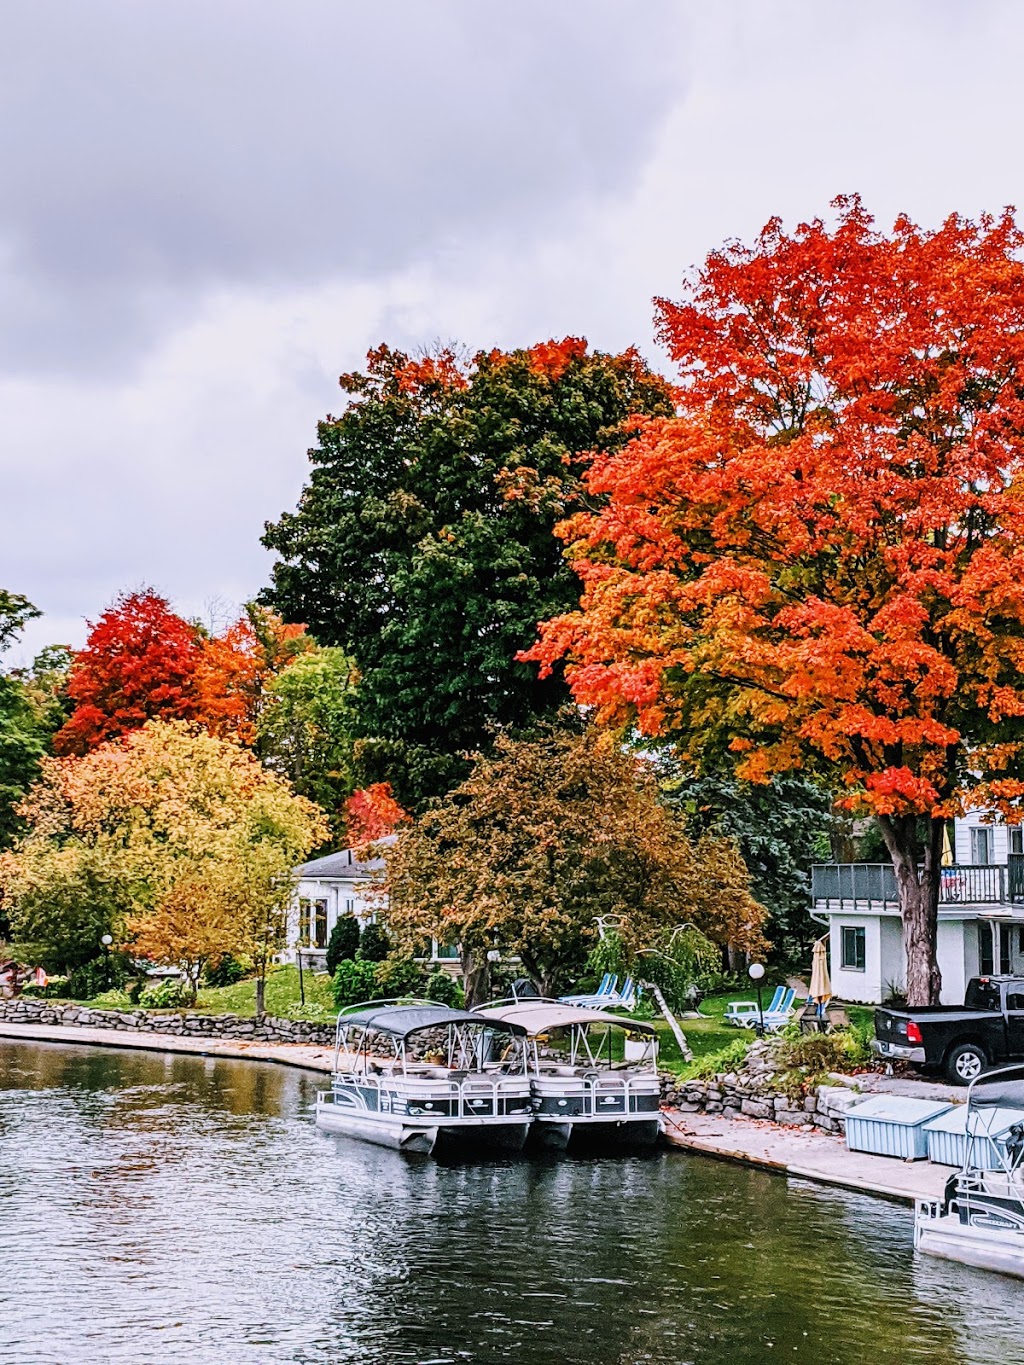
<point>1015,1019</point>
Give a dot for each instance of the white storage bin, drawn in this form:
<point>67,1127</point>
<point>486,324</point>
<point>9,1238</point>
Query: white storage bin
<point>891,1125</point>
<point>947,1136</point>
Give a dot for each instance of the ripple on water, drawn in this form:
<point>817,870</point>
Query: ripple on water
<point>187,1209</point>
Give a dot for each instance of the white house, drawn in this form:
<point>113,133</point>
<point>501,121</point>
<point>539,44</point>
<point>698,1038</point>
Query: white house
<point>981,915</point>
<point>331,887</point>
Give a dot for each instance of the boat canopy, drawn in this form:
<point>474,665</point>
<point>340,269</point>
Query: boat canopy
<point>402,1020</point>
<point>538,1016</point>
<point>1000,1089</point>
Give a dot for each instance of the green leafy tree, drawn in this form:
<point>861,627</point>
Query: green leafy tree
<point>32,707</point>
<point>306,727</point>
<point>423,542</point>
<point>780,828</point>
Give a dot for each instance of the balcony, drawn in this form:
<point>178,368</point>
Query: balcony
<point>845,886</point>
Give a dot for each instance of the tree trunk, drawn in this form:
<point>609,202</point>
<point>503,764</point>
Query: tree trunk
<point>261,985</point>
<point>918,868</point>
<point>476,978</point>
<point>736,958</point>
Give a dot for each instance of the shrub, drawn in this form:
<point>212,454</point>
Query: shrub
<point>728,1058</point>
<point>56,988</point>
<point>354,981</point>
<point>444,989</point>
<point>343,942</point>
<point>398,975</point>
<point>116,999</point>
<point>168,995</point>
<point>100,974</point>
<point>227,971</point>
<point>374,945</point>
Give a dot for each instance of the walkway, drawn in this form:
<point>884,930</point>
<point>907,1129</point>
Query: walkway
<point>303,1055</point>
<point>807,1153</point>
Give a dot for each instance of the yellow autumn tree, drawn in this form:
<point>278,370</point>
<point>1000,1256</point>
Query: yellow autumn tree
<point>184,843</point>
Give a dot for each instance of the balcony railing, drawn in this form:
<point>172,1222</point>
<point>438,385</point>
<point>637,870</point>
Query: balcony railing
<point>845,885</point>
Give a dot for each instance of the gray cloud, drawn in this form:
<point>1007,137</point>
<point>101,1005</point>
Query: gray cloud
<point>153,150</point>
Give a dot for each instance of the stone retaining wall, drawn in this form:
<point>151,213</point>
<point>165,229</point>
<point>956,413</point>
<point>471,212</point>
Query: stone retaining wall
<point>178,1023</point>
<point>753,1091</point>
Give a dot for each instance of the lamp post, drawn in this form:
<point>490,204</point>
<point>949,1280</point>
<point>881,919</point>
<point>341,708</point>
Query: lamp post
<point>756,972</point>
<point>302,986</point>
<point>106,940</point>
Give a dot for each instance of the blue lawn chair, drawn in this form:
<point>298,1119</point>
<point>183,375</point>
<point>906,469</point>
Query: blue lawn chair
<point>626,999</point>
<point>601,996</point>
<point>778,1018</point>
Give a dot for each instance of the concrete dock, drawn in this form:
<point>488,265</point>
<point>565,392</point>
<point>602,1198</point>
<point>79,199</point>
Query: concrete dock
<point>803,1152</point>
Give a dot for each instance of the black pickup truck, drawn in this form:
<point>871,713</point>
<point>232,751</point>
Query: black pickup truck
<point>961,1040</point>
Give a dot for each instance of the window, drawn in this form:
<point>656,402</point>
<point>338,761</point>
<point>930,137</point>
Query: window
<point>312,923</point>
<point>854,946</point>
<point>1015,1001</point>
<point>986,949</point>
<point>981,844</point>
<point>1015,838</point>
<point>444,952</point>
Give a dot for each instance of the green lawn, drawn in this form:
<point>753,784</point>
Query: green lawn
<point>710,1034</point>
<point>707,1035</point>
<point>281,999</point>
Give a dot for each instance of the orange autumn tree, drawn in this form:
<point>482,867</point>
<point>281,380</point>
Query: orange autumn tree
<point>372,814</point>
<point>818,561</point>
<point>142,661</point>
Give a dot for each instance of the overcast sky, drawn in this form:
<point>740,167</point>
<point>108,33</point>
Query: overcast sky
<point>209,209</point>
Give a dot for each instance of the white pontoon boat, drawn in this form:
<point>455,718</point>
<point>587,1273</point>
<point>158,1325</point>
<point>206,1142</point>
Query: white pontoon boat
<point>580,1092</point>
<point>422,1077</point>
<point>980,1219</point>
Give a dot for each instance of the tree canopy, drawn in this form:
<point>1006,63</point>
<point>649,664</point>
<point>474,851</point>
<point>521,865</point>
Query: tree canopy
<point>176,842</point>
<point>422,544</point>
<point>31,709</point>
<point>306,726</point>
<point>545,836</point>
<point>142,661</point>
<point>820,554</point>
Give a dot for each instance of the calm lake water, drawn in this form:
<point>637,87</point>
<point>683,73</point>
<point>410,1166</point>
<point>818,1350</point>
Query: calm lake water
<point>185,1209</point>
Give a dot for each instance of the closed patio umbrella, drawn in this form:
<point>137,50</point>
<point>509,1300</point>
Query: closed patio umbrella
<point>947,848</point>
<point>821,986</point>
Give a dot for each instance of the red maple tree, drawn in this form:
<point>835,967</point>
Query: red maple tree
<point>142,661</point>
<point>818,561</point>
<point>372,813</point>
<point>139,662</point>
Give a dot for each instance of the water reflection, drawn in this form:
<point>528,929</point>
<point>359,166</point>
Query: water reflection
<point>187,1209</point>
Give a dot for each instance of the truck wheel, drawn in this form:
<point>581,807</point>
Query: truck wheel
<point>965,1064</point>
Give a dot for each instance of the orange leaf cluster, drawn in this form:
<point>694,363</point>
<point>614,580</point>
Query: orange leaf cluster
<point>372,813</point>
<point>820,557</point>
<point>142,661</point>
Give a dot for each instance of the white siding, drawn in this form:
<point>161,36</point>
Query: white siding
<point>866,986</point>
<point>952,951</point>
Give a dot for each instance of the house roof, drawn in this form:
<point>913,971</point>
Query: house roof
<point>341,866</point>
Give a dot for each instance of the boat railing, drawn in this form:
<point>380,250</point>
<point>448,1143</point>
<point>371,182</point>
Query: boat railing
<point>478,1086</point>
